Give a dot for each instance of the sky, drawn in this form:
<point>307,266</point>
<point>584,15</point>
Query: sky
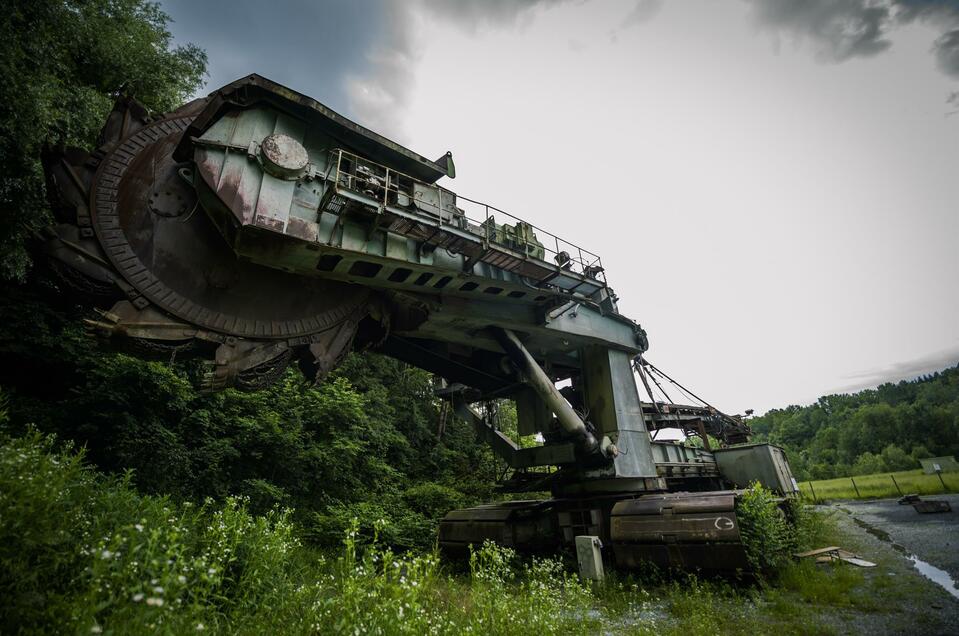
<point>771,185</point>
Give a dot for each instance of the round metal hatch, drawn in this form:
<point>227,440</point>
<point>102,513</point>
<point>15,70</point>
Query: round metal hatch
<point>283,156</point>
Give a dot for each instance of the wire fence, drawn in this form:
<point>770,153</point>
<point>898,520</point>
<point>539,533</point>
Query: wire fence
<point>880,486</point>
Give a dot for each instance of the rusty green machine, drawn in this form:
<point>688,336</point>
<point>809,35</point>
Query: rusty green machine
<point>256,228</point>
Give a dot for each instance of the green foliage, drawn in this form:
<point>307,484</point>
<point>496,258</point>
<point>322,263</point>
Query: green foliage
<point>363,444</point>
<point>547,599</point>
<point>867,464</point>
<point>767,534</point>
<point>61,64</point>
<point>82,553</point>
<point>78,551</point>
<point>878,430</point>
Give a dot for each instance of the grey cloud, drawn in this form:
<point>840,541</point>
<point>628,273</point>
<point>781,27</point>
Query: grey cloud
<point>643,11</point>
<point>473,15</point>
<point>902,370</point>
<point>305,45</point>
<point>380,93</point>
<point>840,29</point>
<point>909,10</point>
<point>843,29</point>
<point>946,48</point>
<point>356,56</point>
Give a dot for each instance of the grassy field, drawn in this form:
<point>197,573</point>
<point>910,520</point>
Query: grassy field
<point>880,485</point>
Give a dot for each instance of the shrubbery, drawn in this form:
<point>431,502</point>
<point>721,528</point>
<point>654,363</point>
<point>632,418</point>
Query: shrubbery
<point>364,443</point>
<point>768,533</point>
<point>83,553</point>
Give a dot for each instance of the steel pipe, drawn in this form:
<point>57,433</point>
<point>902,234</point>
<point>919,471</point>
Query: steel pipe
<point>534,375</point>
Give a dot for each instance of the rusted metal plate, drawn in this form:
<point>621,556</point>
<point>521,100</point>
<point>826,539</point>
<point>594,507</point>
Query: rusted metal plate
<point>216,291</point>
<point>523,525</point>
<point>689,528</point>
<point>927,506</point>
<point>679,504</point>
<point>706,556</point>
<point>681,530</point>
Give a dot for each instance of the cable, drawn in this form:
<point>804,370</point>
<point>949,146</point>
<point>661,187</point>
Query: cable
<point>686,393</point>
<point>638,365</point>
<point>661,389</point>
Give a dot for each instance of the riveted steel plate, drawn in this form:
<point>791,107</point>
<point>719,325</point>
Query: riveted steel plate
<point>185,267</point>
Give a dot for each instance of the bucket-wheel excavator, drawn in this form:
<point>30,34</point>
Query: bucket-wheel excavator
<point>256,228</point>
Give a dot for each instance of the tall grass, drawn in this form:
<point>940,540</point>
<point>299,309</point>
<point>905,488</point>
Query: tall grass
<point>880,485</point>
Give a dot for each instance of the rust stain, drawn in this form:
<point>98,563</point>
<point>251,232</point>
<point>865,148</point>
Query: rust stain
<point>269,223</point>
<point>302,229</point>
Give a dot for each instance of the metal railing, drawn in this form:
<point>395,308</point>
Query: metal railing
<point>392,188</point>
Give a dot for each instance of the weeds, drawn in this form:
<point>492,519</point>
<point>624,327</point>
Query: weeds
<point>85,554</point>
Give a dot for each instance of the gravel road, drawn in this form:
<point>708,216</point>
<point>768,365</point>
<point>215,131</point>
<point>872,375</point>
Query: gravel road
<point>934,538</point>
<point>909,602</point>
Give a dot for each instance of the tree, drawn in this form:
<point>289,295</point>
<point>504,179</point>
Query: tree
<point>920,452</point>
<point>62,62</point>
<point>895,459</point>
<point>867,464</point>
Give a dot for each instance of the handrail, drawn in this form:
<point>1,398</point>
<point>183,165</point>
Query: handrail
<point>391,187</point>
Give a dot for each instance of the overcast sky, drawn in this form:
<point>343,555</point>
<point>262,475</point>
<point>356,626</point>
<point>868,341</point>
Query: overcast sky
<point>772,185</point>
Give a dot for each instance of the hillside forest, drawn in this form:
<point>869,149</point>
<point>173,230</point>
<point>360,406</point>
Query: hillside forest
<point>889,428</point>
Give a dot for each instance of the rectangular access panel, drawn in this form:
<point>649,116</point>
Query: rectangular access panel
<point>765,463</point>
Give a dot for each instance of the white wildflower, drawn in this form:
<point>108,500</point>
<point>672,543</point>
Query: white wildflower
<point>200,627</point>
<point>138,597</point>
<point>181,579</point>
<point>155,602</point>
<point>158,590</point>
<point>138,527</point>
<point>106,554</point>
<point>96,629</point>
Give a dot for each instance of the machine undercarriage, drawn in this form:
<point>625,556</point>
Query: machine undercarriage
<point>256,228</point>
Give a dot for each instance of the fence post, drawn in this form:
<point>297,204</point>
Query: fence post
<point>896,484</point>
<point>813,490</point>
<point>858,496</point>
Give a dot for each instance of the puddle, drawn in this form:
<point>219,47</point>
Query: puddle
<point>935,575</point>
<point>940,577</point>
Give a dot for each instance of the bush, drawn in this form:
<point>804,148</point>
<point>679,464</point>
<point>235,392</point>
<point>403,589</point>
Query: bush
<point>432,500</point>
<point>79,551</point>
<point>768,536</point>
<point>83,553</point>
<point>367,437</point>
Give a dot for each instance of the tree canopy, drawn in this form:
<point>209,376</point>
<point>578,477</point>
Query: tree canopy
<point>888,428</point>
<point>62,63</point>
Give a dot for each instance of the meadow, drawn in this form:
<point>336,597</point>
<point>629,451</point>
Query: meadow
<point>880,486</point>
